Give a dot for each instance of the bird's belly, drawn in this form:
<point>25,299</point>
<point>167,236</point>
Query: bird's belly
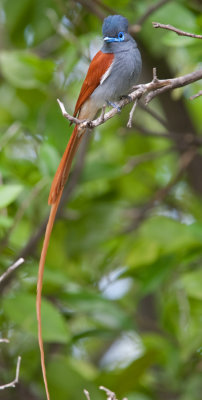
<point>124,74</point>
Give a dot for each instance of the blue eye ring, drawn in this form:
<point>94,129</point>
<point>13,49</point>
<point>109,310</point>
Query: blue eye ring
<point>121,36</point>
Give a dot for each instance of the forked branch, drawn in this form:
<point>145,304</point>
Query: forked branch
<point>146,90</point>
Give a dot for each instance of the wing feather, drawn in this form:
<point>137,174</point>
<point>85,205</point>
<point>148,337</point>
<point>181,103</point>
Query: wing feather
<point>98,68</point>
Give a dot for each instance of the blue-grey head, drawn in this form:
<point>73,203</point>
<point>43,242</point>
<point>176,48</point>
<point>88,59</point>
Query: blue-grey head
<point>115,28</point>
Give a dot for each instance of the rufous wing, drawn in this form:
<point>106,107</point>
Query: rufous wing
<point>98,67</point>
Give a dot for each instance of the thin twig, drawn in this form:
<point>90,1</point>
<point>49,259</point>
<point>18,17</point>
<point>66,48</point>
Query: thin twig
<point>110,395</point>
<point>173,84</point>
<point>176,30</point>
<point>11,269</point>
<point>103,112</point>
<point>68,116</point>
<point>87,394</point>
<point>16,380</point>
<point>4,340</point>
<point>129,124</point>
<point>196,95</point>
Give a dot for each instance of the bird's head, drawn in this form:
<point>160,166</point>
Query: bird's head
<point>115,29</point>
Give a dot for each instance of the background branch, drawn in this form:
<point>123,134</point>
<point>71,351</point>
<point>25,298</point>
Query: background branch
<point>196,95</point>
<point>138,24</point>
<point>12,268</point>
<point>142,213</point>
<point>13,383</point>
<point>30,247</point>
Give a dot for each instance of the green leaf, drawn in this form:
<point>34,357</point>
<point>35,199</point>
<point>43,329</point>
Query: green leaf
<point>8,194</point>
<point>5,221</point>
<point>68,379</point>
<point>191,282</point>
<point>101,170</point>
<point>21,310</point>
<point>104,311</point>
<point>171,39</point>
<point>25,70</point>
<point>122,381</point>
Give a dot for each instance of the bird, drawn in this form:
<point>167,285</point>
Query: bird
<point>112,73</point>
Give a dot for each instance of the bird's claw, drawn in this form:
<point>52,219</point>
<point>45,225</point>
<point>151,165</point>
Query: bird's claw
<point>114,105</point>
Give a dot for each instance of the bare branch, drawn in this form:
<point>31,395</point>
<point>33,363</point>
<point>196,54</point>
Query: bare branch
<point>154,114</point>
<point>176,30</point>
<point>11,269</point>
<point>137,26</point>
<point>16,380</point>
<point>148,132</point>
<point>196,95</point>
<point>108,9</point>
<point>151,90</point>
<point>152,155</point>
<point>187,138</point>
<point>173,84</point>
<point>87,394</point>
<point>129,124</point>
<point>92,7</point>
<point>110,395</point>
<point>67,115</point>
<point>4,340</point>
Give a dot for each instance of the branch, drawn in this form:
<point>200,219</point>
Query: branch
<point>4,341</point>
<point>11,269</point>
<point>129,124</point>
<point>21,210</point>
<point>92,7</point>
<point>196,95</point>
<point>110,395</point>
<point>137,26</point>
<point>16,380</point>
<point>139,91</point>
<point>187,139</point>
<point>154,114</point>
<point>149,90</point>
<point>176,30</point>
<point>160,195</point>
<point>145,157</point>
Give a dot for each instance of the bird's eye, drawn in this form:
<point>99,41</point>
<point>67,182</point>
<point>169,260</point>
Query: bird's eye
<point>121,35</point>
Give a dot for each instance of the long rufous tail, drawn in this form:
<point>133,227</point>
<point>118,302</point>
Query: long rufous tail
<point>57,187</point>
<point>64,167</point>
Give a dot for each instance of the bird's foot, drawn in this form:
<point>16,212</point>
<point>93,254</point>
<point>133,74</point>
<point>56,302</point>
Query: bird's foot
<point>126,96</point>
<point>114,105</point>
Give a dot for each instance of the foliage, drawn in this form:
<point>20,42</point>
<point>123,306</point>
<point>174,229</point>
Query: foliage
<point>122,288</point>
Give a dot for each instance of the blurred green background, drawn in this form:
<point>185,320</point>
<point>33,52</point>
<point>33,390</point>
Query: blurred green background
<point>122,303</point>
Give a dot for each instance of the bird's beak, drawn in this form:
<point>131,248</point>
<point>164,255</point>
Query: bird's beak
<point>108,39</point>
